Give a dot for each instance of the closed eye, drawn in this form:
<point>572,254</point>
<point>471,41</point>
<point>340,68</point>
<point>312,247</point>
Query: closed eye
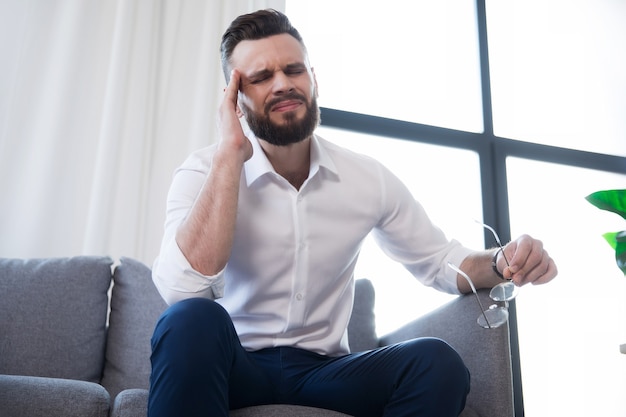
<point>260,76</point>
<point>295,69</point>
<point>291,70</point>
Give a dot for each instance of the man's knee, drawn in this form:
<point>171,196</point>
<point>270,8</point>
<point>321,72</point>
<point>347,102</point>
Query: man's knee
<point>193,310</point>
<point>443,362</point>
<point>437,349</point>
<point>191,318</point>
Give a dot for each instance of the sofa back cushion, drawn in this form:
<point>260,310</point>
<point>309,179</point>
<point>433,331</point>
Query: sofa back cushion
<point>362,326</point>
<point>135,308</point>
<point>53,316</point>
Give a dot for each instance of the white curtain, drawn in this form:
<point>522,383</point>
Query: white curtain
<point>99,102</point>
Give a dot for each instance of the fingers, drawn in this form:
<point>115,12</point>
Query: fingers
<point>232,89</point>
<point>233,139</point>
<point>228,108</point>
<point>548,275</point>
<point>529,262</point>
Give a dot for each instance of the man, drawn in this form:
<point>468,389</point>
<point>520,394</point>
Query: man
<point>262,234</point>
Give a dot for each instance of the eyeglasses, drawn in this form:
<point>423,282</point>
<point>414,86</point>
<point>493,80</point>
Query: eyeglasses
<point>497,314</point>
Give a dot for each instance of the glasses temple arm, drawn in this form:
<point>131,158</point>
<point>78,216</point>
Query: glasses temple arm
<point>496,237</point>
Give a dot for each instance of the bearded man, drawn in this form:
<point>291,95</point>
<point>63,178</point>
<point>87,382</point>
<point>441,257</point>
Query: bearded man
<point>262,235</point>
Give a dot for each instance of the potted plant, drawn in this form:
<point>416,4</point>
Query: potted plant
<point>614,201</point>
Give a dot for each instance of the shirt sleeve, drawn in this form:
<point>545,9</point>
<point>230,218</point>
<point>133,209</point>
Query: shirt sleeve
<point>406,234</point>
<point>172,273</point>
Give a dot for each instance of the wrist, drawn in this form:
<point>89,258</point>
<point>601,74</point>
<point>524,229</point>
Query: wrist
<point>228,158</point>
<point>494,264</point>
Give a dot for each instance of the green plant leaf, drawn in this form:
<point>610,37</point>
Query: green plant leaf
<point>611,238</point>
<point>620,251</point>
<point>615,201</point>
<point>617,240</point>
<point>610,200</point>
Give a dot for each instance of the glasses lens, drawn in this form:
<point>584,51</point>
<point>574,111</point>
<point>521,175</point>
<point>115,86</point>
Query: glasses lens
<point>496,316</point>
<point>504,292</point>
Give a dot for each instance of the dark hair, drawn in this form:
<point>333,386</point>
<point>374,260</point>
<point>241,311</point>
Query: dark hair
<point>254,26</point>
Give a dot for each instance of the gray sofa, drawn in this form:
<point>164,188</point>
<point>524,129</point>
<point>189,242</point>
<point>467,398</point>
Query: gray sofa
<point>75,341</point>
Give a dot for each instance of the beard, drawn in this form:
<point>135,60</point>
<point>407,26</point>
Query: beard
<point>292,131</point>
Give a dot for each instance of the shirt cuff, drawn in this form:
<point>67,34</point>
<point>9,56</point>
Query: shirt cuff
<point>176,280</point>
<point>456,257</point>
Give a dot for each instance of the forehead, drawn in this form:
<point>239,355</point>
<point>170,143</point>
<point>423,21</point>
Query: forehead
<point>271,52</point>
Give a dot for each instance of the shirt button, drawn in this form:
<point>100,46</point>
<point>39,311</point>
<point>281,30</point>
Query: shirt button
<point>299,296</point>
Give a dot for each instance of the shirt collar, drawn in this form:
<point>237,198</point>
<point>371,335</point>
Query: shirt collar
<point>258,165</point>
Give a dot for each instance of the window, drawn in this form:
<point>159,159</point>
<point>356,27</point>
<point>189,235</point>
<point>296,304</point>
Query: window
<point>570,331</point>
<point>382,60</point>
<point>533,126</point>
<point>557,72</point>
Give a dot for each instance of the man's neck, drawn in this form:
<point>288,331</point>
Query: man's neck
<point>291,162</point>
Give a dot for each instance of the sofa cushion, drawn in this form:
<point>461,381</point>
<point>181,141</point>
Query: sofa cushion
<point>135,307</point>
<point>362,326</point>
<point>282,410</point>
<point>53,315</point>
<point>36,396</point>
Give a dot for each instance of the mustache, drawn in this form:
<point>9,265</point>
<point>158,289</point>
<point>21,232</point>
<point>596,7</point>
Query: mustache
<point>288,96</point>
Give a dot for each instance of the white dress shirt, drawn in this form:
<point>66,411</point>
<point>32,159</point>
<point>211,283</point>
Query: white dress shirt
<point>289,279</point>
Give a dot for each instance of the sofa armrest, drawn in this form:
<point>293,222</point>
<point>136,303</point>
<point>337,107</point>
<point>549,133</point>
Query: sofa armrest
<point>45,397</point>
<point>131,403</point>
<point>486,352</point>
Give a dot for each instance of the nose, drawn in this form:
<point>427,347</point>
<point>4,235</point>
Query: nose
<point>282,83</point>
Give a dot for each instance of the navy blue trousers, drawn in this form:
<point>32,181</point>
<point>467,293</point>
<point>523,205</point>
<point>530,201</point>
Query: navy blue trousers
<point>199,368</point>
